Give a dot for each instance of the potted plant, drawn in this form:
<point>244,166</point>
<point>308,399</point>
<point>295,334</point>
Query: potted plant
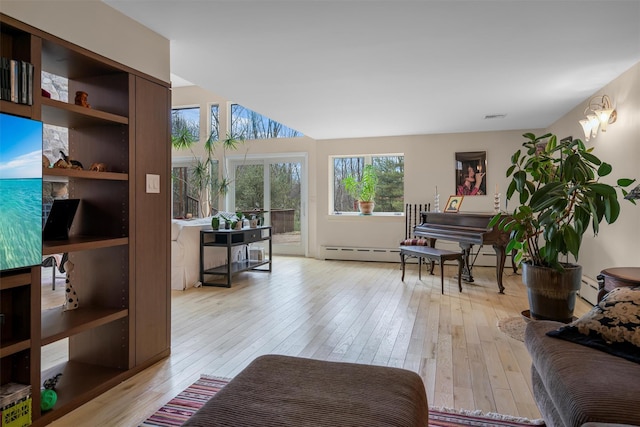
<point>240,220</point>
<point>561,196</point>
<point>207,183</point>
<point>364,190</point>
<point>215,222</point>
<point>228,222</point>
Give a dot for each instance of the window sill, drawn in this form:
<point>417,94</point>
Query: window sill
<point>376,216</point>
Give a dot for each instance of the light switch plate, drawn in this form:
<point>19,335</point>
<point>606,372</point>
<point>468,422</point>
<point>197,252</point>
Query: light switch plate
<point>153,183</point>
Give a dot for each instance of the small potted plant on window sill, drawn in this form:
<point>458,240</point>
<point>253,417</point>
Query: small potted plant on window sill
<point>364,190</point>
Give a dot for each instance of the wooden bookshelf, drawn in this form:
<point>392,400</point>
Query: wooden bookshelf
<point>119,240</point>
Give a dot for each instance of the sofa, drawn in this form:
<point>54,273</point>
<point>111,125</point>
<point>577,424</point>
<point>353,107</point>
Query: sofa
<point>589,370</point>
<point>185,252</point>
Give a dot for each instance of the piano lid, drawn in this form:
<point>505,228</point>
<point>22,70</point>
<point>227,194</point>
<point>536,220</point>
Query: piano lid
<point>467,227</point>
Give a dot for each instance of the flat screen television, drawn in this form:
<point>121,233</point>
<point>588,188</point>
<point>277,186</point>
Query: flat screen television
<point>20,192</point>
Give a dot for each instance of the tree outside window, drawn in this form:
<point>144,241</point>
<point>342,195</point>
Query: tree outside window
<point>251,125</point>
<point>390,190</point>
<point>185,123</point>
<point>215,123</point>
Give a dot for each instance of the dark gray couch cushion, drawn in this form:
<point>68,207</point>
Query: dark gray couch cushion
<point>584,384</point>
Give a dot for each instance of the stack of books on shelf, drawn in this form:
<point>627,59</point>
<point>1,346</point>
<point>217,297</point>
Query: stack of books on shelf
<point>16,82</point>
<point>15,405</point>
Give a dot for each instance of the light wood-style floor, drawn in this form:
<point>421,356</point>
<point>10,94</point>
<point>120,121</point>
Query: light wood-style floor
<point>335,310</point>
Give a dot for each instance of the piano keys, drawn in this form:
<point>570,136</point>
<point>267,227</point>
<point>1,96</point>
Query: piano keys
<point>468,229</point>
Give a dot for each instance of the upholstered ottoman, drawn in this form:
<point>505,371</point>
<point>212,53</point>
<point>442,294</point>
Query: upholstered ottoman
<point>290,391</point>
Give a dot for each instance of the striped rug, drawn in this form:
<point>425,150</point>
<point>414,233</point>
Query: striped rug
<point>185,404</point>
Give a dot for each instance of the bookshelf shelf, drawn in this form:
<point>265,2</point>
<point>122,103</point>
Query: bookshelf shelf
<point>84,174</point>
<point>58,324</point>
<point>62,114</point>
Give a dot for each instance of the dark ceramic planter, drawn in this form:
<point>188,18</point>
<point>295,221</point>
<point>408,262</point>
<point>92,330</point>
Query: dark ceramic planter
<point>552,294</point>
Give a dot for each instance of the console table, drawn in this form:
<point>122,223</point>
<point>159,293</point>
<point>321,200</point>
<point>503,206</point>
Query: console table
<point>229,239</point>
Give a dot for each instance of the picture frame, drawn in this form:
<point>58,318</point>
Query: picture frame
<point>471,173</point>
<point>453,204</point>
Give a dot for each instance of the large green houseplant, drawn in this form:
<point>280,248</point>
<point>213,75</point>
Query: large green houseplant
<point>204,177</point>
<point>561,196</point>
<point>363,190</point>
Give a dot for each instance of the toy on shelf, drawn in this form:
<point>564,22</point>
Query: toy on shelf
<point>70,163</point>
<point>98,167</point>
<point>81,99</point>
<point>48,396</point>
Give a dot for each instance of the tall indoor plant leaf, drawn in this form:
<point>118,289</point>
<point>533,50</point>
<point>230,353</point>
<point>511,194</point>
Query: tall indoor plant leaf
<point>558,184</point>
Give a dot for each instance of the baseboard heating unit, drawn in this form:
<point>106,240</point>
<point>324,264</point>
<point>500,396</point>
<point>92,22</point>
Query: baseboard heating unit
<point>360,254</point>
<point>589,290</point>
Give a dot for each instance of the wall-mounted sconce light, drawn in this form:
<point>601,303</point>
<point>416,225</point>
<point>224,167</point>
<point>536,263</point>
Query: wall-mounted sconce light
<point>600,113</point>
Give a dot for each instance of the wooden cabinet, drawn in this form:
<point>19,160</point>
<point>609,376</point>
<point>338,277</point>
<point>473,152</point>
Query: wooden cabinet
<point>152,221</point>
<point>119,241</point>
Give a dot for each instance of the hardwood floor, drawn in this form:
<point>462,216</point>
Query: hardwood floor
<point>335,310</point>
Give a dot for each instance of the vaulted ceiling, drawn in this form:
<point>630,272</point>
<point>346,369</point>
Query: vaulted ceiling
<point>338,69</point>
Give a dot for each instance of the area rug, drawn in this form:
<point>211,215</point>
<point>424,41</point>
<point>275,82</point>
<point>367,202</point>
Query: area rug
<point>185,404</point>
<point>513,327</point>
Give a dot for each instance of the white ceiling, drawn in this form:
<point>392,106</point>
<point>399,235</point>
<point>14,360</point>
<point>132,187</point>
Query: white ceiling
<point>337,69</point>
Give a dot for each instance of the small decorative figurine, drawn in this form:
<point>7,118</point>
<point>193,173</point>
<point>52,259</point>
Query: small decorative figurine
<point>81,99</point>
<point>98,167</point>
<point>61,164</point>
<point>71,301</point>
<point>72,164</point>
<point>45,162</point>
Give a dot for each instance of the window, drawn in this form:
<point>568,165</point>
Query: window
<point>390,190</point>
<point>215,123</point>
<point>185,124</point>
<point>251,125</point>
<point>191,180</point>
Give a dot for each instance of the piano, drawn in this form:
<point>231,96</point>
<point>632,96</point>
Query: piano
<point>467,229</point>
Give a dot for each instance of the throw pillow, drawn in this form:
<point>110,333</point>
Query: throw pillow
<point>613,325</point>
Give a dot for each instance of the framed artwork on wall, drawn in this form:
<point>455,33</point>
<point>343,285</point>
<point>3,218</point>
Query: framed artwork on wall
<point>471,173</point>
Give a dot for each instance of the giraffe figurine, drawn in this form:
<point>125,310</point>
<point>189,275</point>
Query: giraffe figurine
<point>71,301</point>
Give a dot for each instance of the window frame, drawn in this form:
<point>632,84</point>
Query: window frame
<point>368,159</point>
<point>190,107</point>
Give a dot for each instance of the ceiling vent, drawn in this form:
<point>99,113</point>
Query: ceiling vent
<point>495,116</point>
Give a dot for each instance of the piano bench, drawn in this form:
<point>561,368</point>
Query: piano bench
<point>432,254</point>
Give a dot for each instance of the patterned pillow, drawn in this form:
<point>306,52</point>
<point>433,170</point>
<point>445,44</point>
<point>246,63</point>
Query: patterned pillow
<point>612,326</point>
<point>415,242</point>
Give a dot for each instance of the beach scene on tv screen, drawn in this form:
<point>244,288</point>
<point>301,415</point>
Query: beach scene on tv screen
<point>20,192</point>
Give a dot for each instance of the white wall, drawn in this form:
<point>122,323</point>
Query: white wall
<point>98,28</point>
<point>429,162</point>
<point>617,244</point>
